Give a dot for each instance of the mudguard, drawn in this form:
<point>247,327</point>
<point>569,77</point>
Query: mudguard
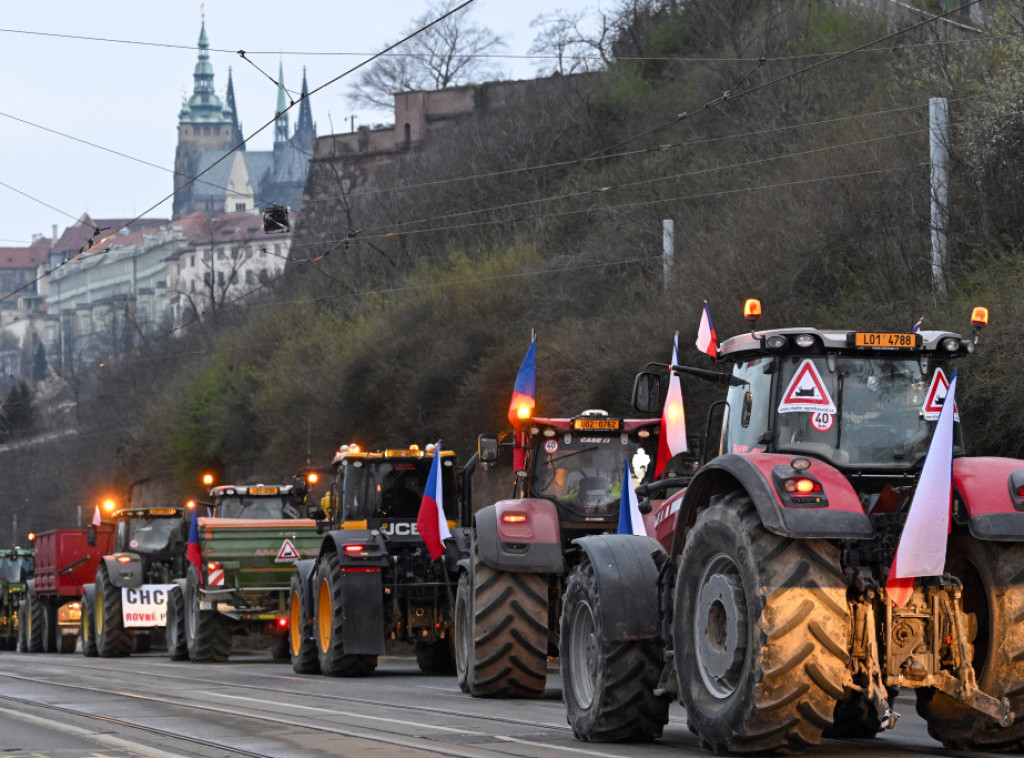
<point>626,568</point>
<point>362,588</point>
<point>306,571</point>
<point>532,545</point>
<point>89,593</point>
<point>989,490</point>
<point>127,574</point>
<point>841,516</point>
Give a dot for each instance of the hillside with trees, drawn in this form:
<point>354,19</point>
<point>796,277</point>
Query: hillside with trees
<point>788,142</point>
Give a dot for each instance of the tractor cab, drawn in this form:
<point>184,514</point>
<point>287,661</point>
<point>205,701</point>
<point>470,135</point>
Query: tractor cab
<point>259,501</point>
<point>156,532</point>
<point>381,488</point>
<point>578,463</point>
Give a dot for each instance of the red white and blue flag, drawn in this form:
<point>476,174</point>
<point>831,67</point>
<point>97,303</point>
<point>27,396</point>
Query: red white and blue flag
<point>630,520</point>
<point>431,523</point>
<point>922,547</point>
<point>918,325</point>
<point>192,551</point>
<point>707,342</point>
<point>672,438</point>
<point>96,518</point>
<point>525,391</point>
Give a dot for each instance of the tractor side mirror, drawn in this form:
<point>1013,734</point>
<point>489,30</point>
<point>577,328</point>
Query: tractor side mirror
<point>487,448</point>
<point>275,220</point>
<point>90,536</point>
<point>646,392</point>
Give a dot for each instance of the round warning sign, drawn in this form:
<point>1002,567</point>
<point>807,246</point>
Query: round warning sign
<point>822,421</point>
<point>551,447</point>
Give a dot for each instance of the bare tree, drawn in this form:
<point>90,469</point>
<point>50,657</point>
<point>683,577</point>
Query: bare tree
<point>448,54</point>
<point>566,48</point>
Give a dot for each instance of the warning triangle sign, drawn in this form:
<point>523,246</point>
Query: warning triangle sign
<point>806,392</point>
<point>287,553</point>
<point>936,396</point>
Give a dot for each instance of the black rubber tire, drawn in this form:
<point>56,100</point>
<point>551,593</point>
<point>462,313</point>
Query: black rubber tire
<point>993,578</point>
<point>177,645</point>
<point>51,628</point>
<point>207,635</point>
<point>34,625</point>
<point>463,631</point>
<point>22,626</point>
<point>761,631</point>
<point>608,686</point>
<point>510,632</point>
<point>301,645</point>
<point>329,613</point>
<point>143,642</point>
<point>87,627</point>
<point>112,639</point>
<point>435,656</point>
<point>279,648</point>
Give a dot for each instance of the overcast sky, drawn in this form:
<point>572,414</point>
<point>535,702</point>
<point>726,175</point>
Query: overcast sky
<point>126,97</point>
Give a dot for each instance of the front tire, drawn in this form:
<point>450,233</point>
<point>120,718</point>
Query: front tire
<point>761,632</point>
<point>463,632</point>
<point>112,639</point>
<point>435,656</point>
<point>993,578</point>
<point>207,636</point>
<point>509,630</point>
<point>608,686</point>
<point>87,628</point>
<point>334,661</point>
<point>177,645</point>
<point>301,645</point>
<point>34,624</point>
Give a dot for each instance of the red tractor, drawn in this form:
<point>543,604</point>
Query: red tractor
<point>510,587</point>
<point>763,604</point>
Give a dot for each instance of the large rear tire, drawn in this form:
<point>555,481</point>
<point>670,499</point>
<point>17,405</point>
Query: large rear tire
<point>23,626</point>
<point>177,645</point>
<point>301,645</point>
<point>334,661</point>
<point>112,639</point>
<point>87,627</point>
<point>34,624</point>
<point>993,578</point>
<point>509,632</point>
<point>51,628</point>
<point>608,686</point>
<point>761,632</point>
<point>463,632</point>
<point>207,636</point>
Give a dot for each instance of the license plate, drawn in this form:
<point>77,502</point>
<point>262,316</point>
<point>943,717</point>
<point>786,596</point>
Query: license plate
<point>263,490</point>
<point>596,424</point>
<point>885,340</point>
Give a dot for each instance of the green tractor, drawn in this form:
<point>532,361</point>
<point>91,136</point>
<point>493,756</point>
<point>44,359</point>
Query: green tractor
<point>15,569</point>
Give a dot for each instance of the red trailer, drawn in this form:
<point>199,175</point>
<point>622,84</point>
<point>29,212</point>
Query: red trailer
<point>64,562</point>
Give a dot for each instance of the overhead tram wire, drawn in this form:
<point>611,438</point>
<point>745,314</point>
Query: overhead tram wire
<point>192,180</point>
<point>727,96</point>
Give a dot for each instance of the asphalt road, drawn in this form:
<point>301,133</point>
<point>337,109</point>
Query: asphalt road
<point>69,706</point>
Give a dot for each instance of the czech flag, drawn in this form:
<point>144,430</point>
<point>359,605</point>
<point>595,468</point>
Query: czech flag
<point>922,547</point>
<point>672,439</point>
<point>525,392</point>
<point>630,520</point>
<point>431,523</point>
<point>707,342</point>
<point>192,551</point>
<point>918,325</point>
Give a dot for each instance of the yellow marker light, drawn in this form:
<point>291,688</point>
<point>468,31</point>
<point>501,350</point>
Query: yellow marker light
<point>523,412</point>
<point>312,477</point>
<point>208,480</point>
<point>31,536</point>
<point>979,316</point>
<point>752,309</point>
<point>109,505</point>
<point>191,504</point>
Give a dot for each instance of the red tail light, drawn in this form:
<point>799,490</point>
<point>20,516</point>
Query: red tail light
<point>513,518</point>
<point>802,486</point>
<point>282,623</point>
<point>354,549</point>
<point>123,558</point>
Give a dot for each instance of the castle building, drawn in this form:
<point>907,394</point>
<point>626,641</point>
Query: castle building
<point>210,140</point>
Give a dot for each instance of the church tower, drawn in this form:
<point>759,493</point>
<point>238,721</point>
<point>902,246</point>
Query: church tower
<point>305,129</point>
<point>204,123</point>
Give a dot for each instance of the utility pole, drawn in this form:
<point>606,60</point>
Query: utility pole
<point>938,135</point>
<point>668,252</point>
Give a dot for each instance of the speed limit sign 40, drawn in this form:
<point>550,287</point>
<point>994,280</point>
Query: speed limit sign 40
<point>822,421</point>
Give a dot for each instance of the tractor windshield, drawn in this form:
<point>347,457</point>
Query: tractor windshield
<point>236,506</point>
<point>151,535</point>
<point>393,489</point>
<point>857,411</point>
<point>585,474</point>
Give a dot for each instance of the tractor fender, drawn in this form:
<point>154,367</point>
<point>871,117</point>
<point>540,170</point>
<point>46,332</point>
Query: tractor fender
<point>533,544</point>
<point>306,570</point>
<point>626,568</point>
<point>838,515</point>
<point>362,584</point>
<point>989,489</point>
<point>127,574</point>
<point>89,594</point>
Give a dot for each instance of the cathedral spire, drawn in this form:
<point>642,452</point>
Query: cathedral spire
<point>237,137</point>
<point>281,120</point>
<point>305,129</point>
<point>204,106</point>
